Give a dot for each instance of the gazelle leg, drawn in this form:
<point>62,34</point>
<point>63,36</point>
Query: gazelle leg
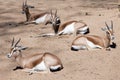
<point>38,71</point>
<point>108,49</point>
<point>48,70</point>
<point>75,33</point>
<point>29,22</point>
<point>47,66</point>
<point>30,71</point>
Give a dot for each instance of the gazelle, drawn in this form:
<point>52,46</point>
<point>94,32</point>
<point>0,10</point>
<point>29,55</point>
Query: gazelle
<point>37,63</point>
<point>70,27</point>
<point>35,18</point>
<point>93,41</point>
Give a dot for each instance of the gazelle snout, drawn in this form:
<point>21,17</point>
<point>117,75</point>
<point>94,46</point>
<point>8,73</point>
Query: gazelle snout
<point>9,55</point>
<point>112,37</point>
<point>23,12</point>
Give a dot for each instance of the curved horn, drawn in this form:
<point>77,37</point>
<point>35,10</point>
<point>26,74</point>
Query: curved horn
<point>51,14</point>
<point>26,2</point>
<point>56,13</point>
<point>23,4</point>
<point>112,24</point>
<point>12,42</point>
<point>17,42</point>
<point>107,25</point>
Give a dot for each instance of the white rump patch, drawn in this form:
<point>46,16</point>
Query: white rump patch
<point>41,19</point>
<point>79,47</point>
<point>83,30</point>
<point>40,67</point>
<point>68,29</point>
<point>55,67</point>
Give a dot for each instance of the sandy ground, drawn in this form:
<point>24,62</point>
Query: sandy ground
<point>81,65</point>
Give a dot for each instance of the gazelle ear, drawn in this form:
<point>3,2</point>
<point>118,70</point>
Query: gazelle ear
<point>111,27</point>
<point>103,29</point>
<point>30,6</point>
<point>22,48</point>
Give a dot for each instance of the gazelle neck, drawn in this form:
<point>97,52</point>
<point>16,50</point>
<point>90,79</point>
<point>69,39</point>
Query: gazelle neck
<point>107,39</point>
<point>19,59</point>
<point>56,28</point>
<point>108,36</point>
<point>27,14</point>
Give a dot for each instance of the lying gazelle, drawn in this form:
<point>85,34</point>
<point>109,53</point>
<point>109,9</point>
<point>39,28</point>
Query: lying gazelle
<point>38,63</point>
<point>70,27</point>
<point>92,41</point>
<point>34,18</point>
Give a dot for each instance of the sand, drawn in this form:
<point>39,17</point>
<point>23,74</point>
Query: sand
<point>79,65</point>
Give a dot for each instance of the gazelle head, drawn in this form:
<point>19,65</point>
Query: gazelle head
<point>15,49</point>
<point>109,31</point>
<point>54,20</point>
<point>25,7</point>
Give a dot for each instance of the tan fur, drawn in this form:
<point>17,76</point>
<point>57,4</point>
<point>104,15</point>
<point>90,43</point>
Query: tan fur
<point>36,16</point>
<point>78,25</point>
<point>30,18</point>
<point>97,40</point>
<point>65,24</point>
<point>41,61</point>
<point>93,41</point>
<point>33,60</point>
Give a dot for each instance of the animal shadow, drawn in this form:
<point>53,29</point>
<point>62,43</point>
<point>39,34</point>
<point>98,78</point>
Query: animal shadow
<point>113,45</point>
<point>18,67</point>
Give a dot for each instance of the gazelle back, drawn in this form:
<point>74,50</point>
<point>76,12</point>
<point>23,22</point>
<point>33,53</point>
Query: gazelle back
<point>94,41</point>
<point>42,17</point>
<point>37,62</point>
<point>70,27</point>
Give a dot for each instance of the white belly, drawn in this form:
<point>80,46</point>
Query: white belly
<point>41,19</point>
<point>92,45</point>
<point>41,66</point>
<point>79,47</point>
<point>68,29</point>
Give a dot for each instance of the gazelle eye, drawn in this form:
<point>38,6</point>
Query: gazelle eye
<point>58,21</point>
<point>14,50</point>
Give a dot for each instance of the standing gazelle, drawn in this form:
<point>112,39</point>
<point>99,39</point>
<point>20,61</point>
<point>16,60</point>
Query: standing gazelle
<point>35,63</point>
<point>34,18</point>
<point>70,27</point>
<point>93,41</point>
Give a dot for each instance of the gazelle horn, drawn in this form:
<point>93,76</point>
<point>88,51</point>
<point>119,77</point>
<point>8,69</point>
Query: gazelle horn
<point>17,42</point>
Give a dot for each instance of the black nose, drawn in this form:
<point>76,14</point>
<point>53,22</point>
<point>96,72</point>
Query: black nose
<point>73,49</point>
<point>23,12</point>
<point>8,56</point>
<point>113,45</point>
